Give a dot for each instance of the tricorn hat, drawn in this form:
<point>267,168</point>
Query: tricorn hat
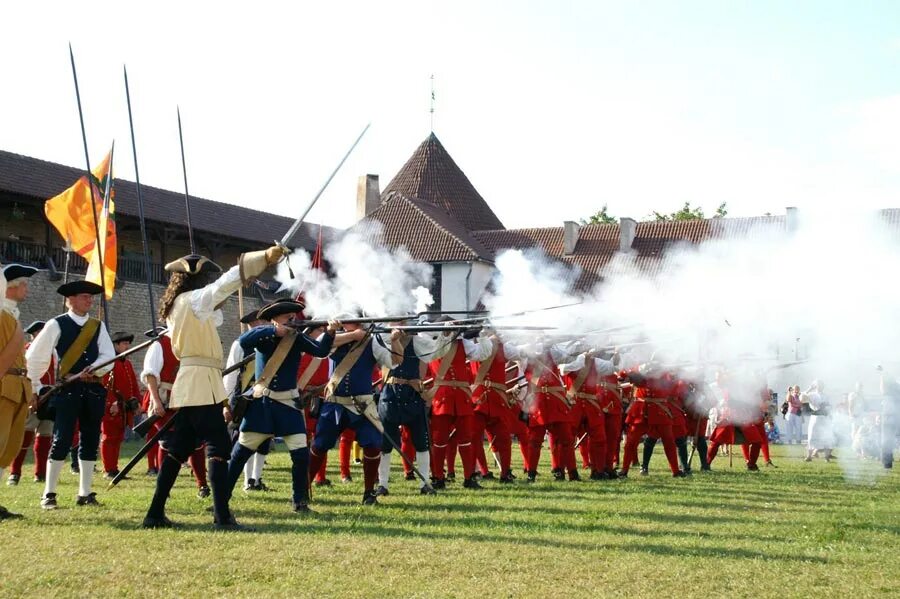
<point>193,264</point>
<point>11,272</point>
<point>122,336</point>
<point>250,316</point>
<point>35,327</point>
<point>279,307</point>
<point>79,287</point>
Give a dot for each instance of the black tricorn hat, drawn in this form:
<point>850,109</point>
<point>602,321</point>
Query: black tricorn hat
<point>122,336</point>
<point>193,264</point>
<point>11,272</point>
<point>250,316</point>
<point>35,327</point>
<point>279,307</point>
<point>79,287</point>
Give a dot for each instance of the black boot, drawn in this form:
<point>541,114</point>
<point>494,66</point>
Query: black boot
<point>681,447</point>
<point>558,474</point>
<point>532,476</point>
<point>471,483</point>
<point>218,478</point>
<point>168,472</point>
<point>649,444</point>
<point>369,498</point>
<point>574,476</point>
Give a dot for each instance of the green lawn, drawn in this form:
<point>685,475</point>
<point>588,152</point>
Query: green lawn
<point>799,530</point>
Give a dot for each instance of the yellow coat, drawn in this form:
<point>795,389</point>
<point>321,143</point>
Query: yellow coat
<point>13,388</point>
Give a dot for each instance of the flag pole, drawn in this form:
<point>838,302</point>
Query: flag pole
<point>187,199</point>
<point>140,199</point>
<point>68,249</point>
<point>90,182</point>
<point>107,198</point>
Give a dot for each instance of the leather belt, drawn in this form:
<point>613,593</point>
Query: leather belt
<point>658,401</point>
<point>289,394</point>
<point>414,383</point>
<point>16,372</point>
<point>457,384</point>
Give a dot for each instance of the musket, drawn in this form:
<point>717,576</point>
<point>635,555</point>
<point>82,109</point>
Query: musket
<point>303,324</point>
<point>68,381</point>
<point>513,314</point>
<point>296,226</point>
<point>430,328</point>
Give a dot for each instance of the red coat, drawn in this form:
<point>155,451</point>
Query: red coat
<point>649,405</point>
<point>121,385</point>
<point>586,398</point>
<point>550,401</point>
<point>726,430</point>
<point>489,397</point>
<point>610,395</point>
<point>166,374</point>
<point>320,376</point>
<point>677,407</point>
<point>454,399</point>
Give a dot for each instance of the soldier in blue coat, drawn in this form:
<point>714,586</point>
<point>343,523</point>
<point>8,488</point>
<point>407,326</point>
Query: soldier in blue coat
<point>274,410</point>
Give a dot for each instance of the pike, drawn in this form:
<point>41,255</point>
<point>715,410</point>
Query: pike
<point>90,181</point>
<point>513,314</point>
<point>140,199</point>
<point>187,197</point>
<point>296,226</point>
<point>380,427</point>
<point>165,427</point>
<point>68,381</point>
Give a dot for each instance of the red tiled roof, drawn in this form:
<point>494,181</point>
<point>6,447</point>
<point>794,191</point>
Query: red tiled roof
<point>431,175</point>
<point>427,231</point>
<point>42,180</point>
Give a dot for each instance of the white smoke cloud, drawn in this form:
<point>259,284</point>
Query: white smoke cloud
<point>366,277</point>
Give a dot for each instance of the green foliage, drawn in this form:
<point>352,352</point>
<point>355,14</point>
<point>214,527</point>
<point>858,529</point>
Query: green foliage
<point>796,531</point>
<point>688,212</point>
<point>600,218</point>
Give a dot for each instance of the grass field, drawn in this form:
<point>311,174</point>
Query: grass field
<point>799,530</point>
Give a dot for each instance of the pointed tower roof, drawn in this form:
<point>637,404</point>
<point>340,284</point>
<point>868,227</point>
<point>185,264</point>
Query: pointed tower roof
<point>431,175</point>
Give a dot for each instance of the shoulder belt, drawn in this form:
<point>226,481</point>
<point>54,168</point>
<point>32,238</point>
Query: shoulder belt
<point>85,335</point>
<point>274,362</point>
<point>346,364</point>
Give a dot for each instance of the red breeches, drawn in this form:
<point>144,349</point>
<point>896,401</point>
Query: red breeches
<point>440,435</point>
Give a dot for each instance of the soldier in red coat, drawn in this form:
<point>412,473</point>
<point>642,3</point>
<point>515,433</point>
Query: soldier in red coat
<point>122,402</point>
<point>733,424</point>
<point>549,412</point>
<point>650,414</point>
<point>451,405</point>
<point>492,408</point>
<point>582,377</point>
<point>312,377</point>
<point>610,396</point>
<point>158,375</point>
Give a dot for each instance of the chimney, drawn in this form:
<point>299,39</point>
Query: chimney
<point>627,230</point>
<point>790,218</point>
<point>570,237</point>
<point>368,196</point>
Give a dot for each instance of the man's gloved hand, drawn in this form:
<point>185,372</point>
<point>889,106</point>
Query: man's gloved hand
<point>274,254</point>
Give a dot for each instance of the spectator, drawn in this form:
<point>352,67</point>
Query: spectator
<point>821,435</point>
<point>794,415</point>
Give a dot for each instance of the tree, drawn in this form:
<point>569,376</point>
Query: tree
<point>688,212</point>
<point>600,218</point>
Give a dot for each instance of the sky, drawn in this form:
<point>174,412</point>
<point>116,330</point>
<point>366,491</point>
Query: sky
<point>552,109</point>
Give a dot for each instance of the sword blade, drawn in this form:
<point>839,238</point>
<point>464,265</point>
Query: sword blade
<point>296,226</point>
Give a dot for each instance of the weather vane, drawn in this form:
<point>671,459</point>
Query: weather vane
<point>432,103</point>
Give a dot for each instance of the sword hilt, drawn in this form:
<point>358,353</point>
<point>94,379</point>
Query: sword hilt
<point>287,252</point>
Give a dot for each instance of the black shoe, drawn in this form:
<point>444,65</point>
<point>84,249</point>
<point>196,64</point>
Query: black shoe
<point>203,492</point>
<point>322,483</point>
<point>439,484</point>
<point>357,461</point>
<point>688,472</point>
<point>110,475</point>
<point>471,483</point>
<point>706,468</point>
<point>381,491</point>
<point>558,474</point>
<point>644,472</point>
<point>232,525</point>
<point>476,475</point>
<point>346,480</point>
<point>679,474</point>
<point>488,476</point>
<point>597,475</point>
<point>574,476</point>
<point>532,476</point>
<point>410,475</point>
<point>427,490</point>
<point>301,508</point>
<point>770,464</point>
<point>152,471</point>
<point>89,499</point>
<point>622,474</point>
<point>451,477</point>
<point>752,467</point>
<point>250,485</point>
<point>48,501</point>
<point>260,486</point>
<point>369,498</point>
<point>153,522</point>
<point>74,469</point>
<point>506,479</point>
<point>40,479</point>
<point>5,514</point>
<point>13,480</point>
